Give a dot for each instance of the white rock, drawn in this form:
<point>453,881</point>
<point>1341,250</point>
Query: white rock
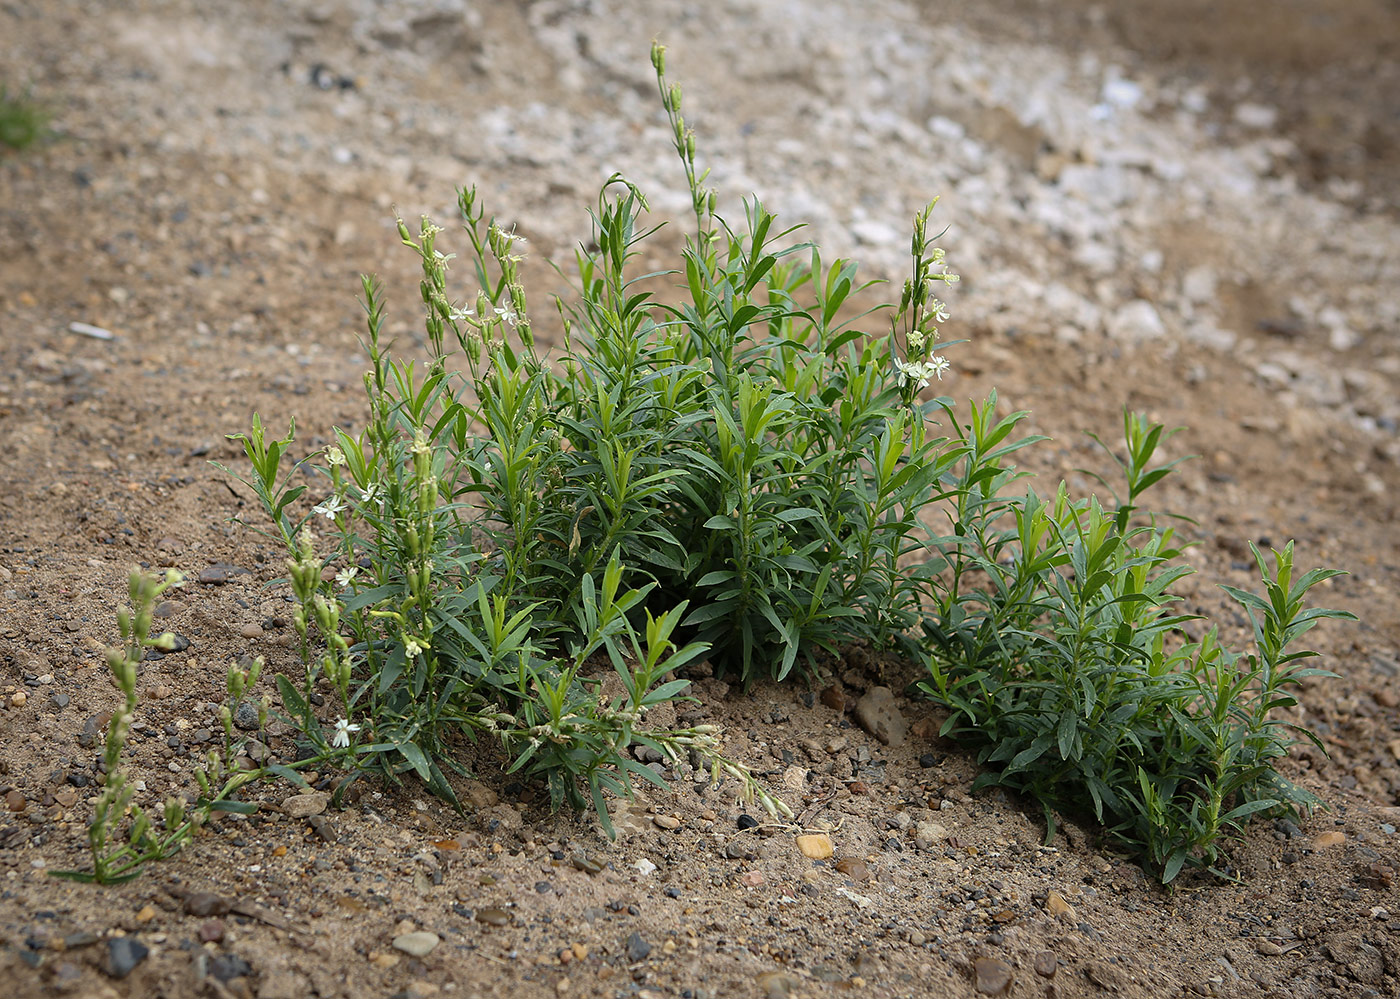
<point>1198,285</point>
<point>1120,93</point>
<point>417,944</point>
<point>1257,116</point>
<point>878,234</point>
<point>1136,322</point>
<point>646,867</point>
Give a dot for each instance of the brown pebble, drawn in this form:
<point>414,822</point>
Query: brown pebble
<point>1387,698</point>
<point>666,821</point>
<point>1056,905</point>
<point>834,697</point>
<point>18,699</point>
<point>206,903</point>
<point>1329,839</point>
<point>815,846</point>
<point>146,914</point>
<point>853,868</point>
<point>493,917</point>
<point>211,930</point>
<point>992,977</point>
<point>1045,964</point>
<point>14,801</point>
<point>251,630</point>
<point>1268,948</point>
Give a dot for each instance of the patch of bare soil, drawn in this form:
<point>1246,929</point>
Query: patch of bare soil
<point>223,173</point>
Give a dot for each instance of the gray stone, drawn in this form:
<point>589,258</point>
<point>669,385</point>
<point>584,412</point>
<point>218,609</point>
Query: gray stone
<point>417,944</point>
<point>124,954</point>
<point>878,715</point>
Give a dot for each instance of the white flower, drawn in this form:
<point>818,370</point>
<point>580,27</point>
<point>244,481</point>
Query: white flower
<point>506,315</point>
<point>413,647</point>
<point>335,456</point>
<point>940,310</point>
<point>920,372</point>
<point>343,728</point>
<point>371,494</point>
<point>345,576</point>
<point>329,508</point>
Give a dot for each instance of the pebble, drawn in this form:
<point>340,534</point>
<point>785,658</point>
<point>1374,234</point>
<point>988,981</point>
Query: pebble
<point>307,804</point>
<point>637,948</point>
<point>1056,905</point>
<point>18,699</point>
<point>220,573</point>
<point>778,984</point>
<point>992,977</point>
<point>417,944</point>
<point>493,917</point>
<point>927,835</point>
<point>854,868</point>
<point>815,846</point>
<point>1045,964</point>
<point>1268,948</point>
<point>246,716</point>
<point>211,930</point>
<point>14,800</point>
<point>585,863</point>
<point>227,967</point>
<point>666,821</point>
<point>834,697</point>
<point>205,903</point>
<point>251,630</point>
<point>124,954</point>
<point>877,714</point>
<point>1136,322</point>
<point>1328,840</point>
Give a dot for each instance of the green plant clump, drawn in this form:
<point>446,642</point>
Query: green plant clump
<point>22,122</point>
<point>744,474</point>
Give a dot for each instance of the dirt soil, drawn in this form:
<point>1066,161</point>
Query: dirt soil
<point>1192,213</point>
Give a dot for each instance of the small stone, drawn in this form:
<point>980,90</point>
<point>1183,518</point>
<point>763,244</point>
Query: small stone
<point>1045,964</point>
<point>1328,840</point>
<point>220,573</point>
<point>747,821</point>
<point>227,967</point>
<point>417,944</point>
<point>211,930</point>
<point>778,984</point>
<point>59,701</point>
<point>1106,976</point>
<point>1056,905</point>
<point>18,699</point>
<point>666,821</point>
<point>645,867</point>
<point>834,697</point>
<point>927,835</point>
<point>992,977</point>
<point>246,716</point>
<point>124,954</point>
<point>307,804</point>
<point>206,903</point>
<point>854,868</point>
<point>637,948</point>
<point>1136,322</point>
<point>14,800</point>
<point>877,714</point>
<point>1268,948</point>
<point>815,846</point>
<point>493,917</point>
<point>146,914</point>
<point>585,863</point>
<point>251,630</point>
